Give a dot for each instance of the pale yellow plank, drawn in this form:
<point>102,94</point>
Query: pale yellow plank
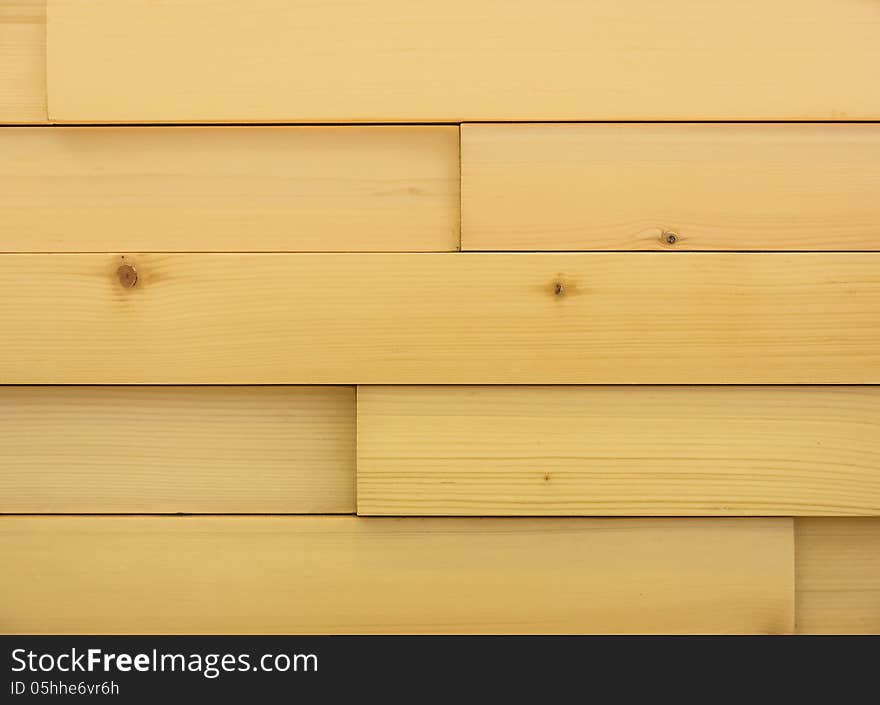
<point>251,450</point>
<point>670,187</point>
<point>229,189</point>
<point>838,576</point>
<point>440,319</point>
<point>316,575</point>
<point>395,60</point>
<point>564,451</point>
<point>23,62</point>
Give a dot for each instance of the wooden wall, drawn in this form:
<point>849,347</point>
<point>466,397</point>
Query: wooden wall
<point>484,317</point>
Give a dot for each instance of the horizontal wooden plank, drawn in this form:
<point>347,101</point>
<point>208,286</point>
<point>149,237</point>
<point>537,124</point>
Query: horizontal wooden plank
<point>566,451</point>
<point>23,62</point>
<point>313,575</point>
<point>229,189</point>
<point>698,186</point>
<point>393,60</point>
<point>177,449</point>
<point>838,576</point>
<point>637,318</point>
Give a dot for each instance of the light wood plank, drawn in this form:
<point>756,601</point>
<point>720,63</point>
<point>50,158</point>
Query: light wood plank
<point>395,60</point>
<point>177,449</point>
<point>229,189</point>
<point>23,62</point>
<point>566,451</point>
<point>314,575</point>
<point>709,186</point>
<point>441,319</point>
<point>838,576</point>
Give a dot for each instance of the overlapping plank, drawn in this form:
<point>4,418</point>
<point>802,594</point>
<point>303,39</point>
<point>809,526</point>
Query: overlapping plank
<point>838,576</point>
<point>395,60</point>
<point>229,189</point>
<point>670,187</point>
<point>440,319</point>
<point>23,62</point>
<point>311,575</point>
<point>765,451</point>
<point>177,449</point>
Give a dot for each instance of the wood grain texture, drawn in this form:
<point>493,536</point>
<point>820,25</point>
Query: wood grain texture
<point>628,186</point>
<point>177,449</point>
<point>23,62</point>
<point>671,451</point>
<point>167,189</point>
<point>314,575</point>
<point>441,319</point>
<point>838,576</point>
<point>398,61</point>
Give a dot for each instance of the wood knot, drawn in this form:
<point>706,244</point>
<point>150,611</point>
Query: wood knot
<point>127,275</point>
<point>669,237</point>
<point>558,289</point>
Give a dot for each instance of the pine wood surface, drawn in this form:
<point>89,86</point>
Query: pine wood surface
<point>240,450</point>
<point>635,318</point>
<point>316,575</point>
<point>624,450</point>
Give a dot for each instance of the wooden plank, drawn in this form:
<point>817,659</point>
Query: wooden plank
<point>709,186</point>
<point>177,449</point>
<point>630,451</point>
<point>23,62</point>
<point>229,189</point>
<point>314,575</point>
<point>838,576</point>
<point>362,60</point>
<point>440,319</point>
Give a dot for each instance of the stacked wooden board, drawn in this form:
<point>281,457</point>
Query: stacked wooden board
<point>493,317</point>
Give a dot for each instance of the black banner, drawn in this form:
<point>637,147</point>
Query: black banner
<point>132,669</point>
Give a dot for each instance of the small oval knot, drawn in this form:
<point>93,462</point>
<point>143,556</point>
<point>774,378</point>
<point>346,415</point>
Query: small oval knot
<point>127,275</point>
